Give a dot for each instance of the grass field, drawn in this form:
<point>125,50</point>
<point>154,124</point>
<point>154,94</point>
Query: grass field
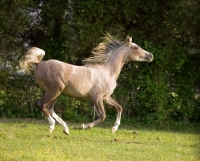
<point>29,139</point>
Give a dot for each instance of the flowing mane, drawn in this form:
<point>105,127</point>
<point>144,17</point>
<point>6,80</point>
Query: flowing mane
<point>104,50</point>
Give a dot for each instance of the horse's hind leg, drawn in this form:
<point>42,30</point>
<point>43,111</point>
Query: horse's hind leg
<point>112,102</point>
<point>60,121</point>
<point>43,106</point>
<point>56,117</point>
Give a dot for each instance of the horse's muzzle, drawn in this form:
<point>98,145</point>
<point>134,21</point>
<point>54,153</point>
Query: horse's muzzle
<point>149,57</point>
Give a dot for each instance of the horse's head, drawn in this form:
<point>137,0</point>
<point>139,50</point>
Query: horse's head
<point>136,53</point>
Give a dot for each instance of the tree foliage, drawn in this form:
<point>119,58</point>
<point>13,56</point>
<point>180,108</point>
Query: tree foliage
<point>168,88</point>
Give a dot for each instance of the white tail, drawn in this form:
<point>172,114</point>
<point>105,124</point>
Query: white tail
<point>33,56</point>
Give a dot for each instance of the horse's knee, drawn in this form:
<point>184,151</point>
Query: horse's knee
<point>103,117</point>
<point>120,109</point>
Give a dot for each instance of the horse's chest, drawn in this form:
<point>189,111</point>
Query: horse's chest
<point>107,87</point>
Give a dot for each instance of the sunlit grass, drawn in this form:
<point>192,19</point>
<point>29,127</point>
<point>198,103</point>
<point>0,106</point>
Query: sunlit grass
<point>30,140</point>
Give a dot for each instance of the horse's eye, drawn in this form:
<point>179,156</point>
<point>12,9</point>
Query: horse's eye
<point>135,47</point>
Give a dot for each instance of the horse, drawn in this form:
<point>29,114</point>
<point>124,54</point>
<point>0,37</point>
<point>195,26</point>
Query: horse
<point>95,80</point>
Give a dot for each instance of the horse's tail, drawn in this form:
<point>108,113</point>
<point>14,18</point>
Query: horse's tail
<point>32,57</point>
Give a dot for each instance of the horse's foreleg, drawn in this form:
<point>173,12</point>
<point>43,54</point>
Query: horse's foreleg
<point>117,123</point>
<point>90,125</point>
<point>100,109</point>
<point>118,107</point>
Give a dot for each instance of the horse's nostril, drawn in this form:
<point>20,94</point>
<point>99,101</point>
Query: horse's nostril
<point>149,55</point>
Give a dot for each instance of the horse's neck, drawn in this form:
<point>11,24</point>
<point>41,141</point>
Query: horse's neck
<point>116,61</point>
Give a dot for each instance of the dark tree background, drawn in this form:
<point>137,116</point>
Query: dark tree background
<point>166,89</point>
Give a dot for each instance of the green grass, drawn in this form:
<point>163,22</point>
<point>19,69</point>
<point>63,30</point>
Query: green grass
<point>28,139</point>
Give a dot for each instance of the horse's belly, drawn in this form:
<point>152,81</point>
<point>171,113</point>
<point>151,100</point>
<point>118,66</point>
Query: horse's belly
<point>77,91</point>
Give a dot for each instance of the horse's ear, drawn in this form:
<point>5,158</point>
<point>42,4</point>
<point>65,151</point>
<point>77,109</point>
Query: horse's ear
<point>129,40</point>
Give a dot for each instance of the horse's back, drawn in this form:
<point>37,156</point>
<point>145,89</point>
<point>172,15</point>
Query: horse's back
<point>51,68</point>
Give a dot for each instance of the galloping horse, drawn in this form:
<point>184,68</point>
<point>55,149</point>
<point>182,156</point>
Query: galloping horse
<point>96,80</point>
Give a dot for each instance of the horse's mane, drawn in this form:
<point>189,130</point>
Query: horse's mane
<point>104,50</point>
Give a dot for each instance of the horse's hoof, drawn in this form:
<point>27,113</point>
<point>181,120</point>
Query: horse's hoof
<point>50,130</point>
<point>114,129</point>
<point>66,132</point>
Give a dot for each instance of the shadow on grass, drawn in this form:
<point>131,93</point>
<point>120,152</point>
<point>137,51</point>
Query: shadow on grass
<point>178,127</point>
